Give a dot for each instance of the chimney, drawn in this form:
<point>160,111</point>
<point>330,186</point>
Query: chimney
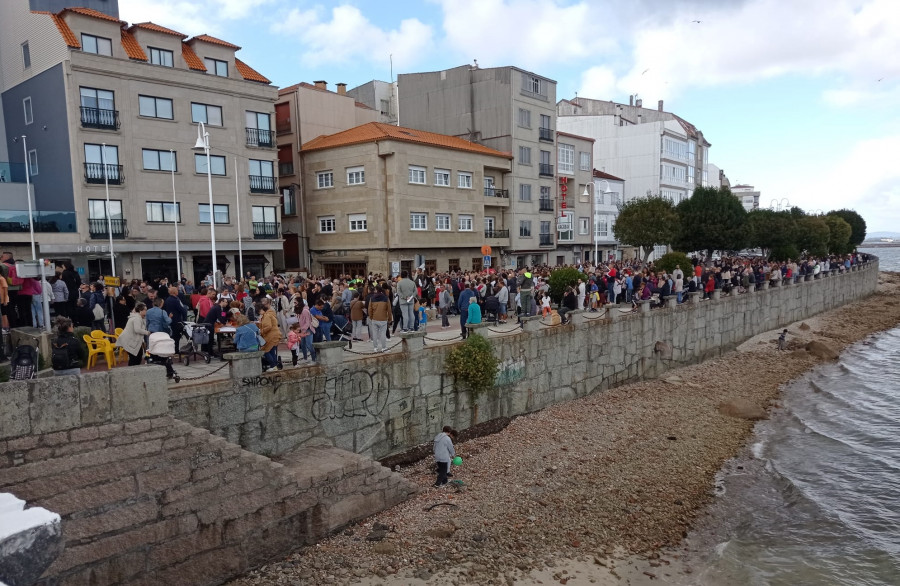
<point>639,103</point>
<point>322,85</point>
<point>342,90</point>
<point>639,117</point>
<point>631,100</point>
<point>660,106</point>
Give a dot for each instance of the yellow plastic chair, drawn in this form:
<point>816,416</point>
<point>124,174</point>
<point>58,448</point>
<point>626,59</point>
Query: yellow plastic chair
<point>99,347</point>
<point>111,339</point>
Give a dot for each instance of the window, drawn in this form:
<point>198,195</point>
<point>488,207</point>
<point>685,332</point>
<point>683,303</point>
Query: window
<point>524,228</point>
<point>545,227</point>
<point>26,55</point>
<point>159,211</point>
<point>418,221</point>
<point>98,45</point>
<point>97,209</point>
<point>417,174</point>
<point>489,223</point>
<point>109,156</point>
<point>453,264</point>
<point>545,121</point>
<point>464,180</point>
<point>566,158</point>
<point>602,227</point>
<point>324,179</point>
<point>690,175</point>
<point>358,223</point>
<point>524,155</point>
<point>674,149</point>
<point>584,161</point>
<point>441,177</point>
<point>32,162</point>
<point>326,225</point>
<point>356,175</point>
<point>288,201</point>
<point>265,214</point>
<point>206,114</point>
<point>566,219</point>
<point>672,173</point>
<point>692,151</point>
<point>155,107</point>
<point>545,193</point>
<point>220,213</point>
<point>29,114</point>
<point>161,57</point>
<point>524,192</point>
<point>524,118</point>
<point>673,195</point>
<point>385,107</point>
<point>217,164</point>
<point>97,99</point>
<point>442,222</point>
<point>259,129</point>
<point>533,84</point>
<point>262,168</point>
<point>465,223</point>
<point>155,160</point>
<point>216,67</point>
<point>584,226</point>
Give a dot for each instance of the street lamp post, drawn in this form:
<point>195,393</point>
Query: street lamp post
<point>596,215</point>
<point>237,201</point>
<point>203,144</point>
<point>28,197</point>
<point>112,255</point>
<point>175,218</point>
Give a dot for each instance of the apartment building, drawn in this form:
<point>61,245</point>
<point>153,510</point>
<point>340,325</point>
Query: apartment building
<point>303,112</point>
<point>380,96</point>
<point>510,110</point>
<point>111,111</point>
<point>609,193</point>
<point>383,198</point>
<point>573,206</point>
<point>748,196</point>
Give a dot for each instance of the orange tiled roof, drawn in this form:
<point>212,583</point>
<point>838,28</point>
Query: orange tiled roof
<point>132,47</point>
<point>248,72</point>
<point>90,12</point>
<point>605,175</point>
<point>215,41</point>
<point>150,26</point>
<point>66,32</point>
<point>377,131</point>
<point>193,62</point>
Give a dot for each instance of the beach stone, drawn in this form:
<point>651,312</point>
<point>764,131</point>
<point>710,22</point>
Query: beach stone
<point>804,326</point>
<point>821,350</point>
<point>742,409</point>
<point>385,547</point>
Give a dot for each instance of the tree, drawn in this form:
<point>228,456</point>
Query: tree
<point>770,230</point>
<point>838,235</point>
<point>670,260</point>
<point>812,235</point>
<point>857,225</point>
<point>711,219</point>
<point>646,222</point>
<point>562,278</point>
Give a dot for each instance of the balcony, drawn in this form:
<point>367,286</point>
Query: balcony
<point>99,118</point>
<point>546,239</point>
<point>257,137</point>
<point>98,174</point>
<point>99,228</point>
<point>494,192</point>
<point>285,169</point>
<point>266,231</point>
<point>49,222</point>
<point>283,126</point>
<point>545,134</point>
<point>545,205</point>
<point>545,170</point>
<point>262,184</point>
<point>496,233</point>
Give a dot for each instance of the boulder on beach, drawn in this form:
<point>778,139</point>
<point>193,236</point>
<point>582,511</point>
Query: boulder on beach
<point>804,326</point>
<point>821,350</point>
<point>664,349</point>
<point>742,409</point>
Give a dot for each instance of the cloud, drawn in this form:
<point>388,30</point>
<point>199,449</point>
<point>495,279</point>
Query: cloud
<point>191,17</point>
<point>597,82</point>
<point>348,35</point>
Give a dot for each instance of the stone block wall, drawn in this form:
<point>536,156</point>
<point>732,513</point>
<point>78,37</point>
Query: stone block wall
<point>387,404</point>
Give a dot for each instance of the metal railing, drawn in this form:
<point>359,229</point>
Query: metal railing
<point>545,170</point>
<point>496,233</point>
<point>545,205</point>
<point>266,230</point>
<point>283,126</point>
<point>98,173</point>
<point>258,137</point>
<point>44,221</point>
<point>285,169</point>
<point>99,118</point>
<point>546,239</point>
<point>494,192</point>
<point>262,184</point>
<point>99,228</point>
<point>545,134</point>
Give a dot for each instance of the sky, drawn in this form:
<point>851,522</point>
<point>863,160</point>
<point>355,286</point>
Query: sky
<point>798,97</point>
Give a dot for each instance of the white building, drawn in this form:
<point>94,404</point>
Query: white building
<point>747,195</point>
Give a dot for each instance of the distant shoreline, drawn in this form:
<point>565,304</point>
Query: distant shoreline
<point>879,245</point>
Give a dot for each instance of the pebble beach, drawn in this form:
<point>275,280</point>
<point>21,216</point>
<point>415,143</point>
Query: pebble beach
<point>601,489</point>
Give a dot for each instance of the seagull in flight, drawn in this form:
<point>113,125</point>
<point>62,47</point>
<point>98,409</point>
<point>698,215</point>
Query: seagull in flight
<point>648,69</point>
<point>696,21</point>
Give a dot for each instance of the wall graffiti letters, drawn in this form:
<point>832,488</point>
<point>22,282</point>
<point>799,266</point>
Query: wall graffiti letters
<point>272,383</point>
<point>350,394</point>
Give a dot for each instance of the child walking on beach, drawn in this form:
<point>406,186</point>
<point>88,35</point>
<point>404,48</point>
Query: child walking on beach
<point>781,340</point>
<point>443,454</point>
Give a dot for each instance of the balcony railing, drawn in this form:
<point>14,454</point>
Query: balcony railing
<point>546,239</point>
<point>285,169</point>
<point>266,230</point>
<point>545,170</point>
<point>496,233</point>
<point>262,184</point>
<point>12,172</point>
<point>546,134</point>
<point>99,173</point>
<point>545,205</point>
<point>17,221</point>
<point>99,228</point>
<point>494,192</point>
<point>257,137</point>
<point>99,118</point>
<point>283,126</point>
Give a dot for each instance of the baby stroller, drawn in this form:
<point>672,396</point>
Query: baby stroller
<point>193,338</point>
<point>24,363</point>
<point>491,308</point>
<point>342,334</point>
<point>160,351</point>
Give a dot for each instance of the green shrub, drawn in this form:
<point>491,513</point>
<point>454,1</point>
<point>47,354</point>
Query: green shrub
<point>560,279</point>
<point>786,252</point>
<point>668,261</point>
<point>474,366</point>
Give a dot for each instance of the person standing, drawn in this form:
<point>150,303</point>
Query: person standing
<point>526,292</point>
<point>268,329</point>
<point>406,291</point>
<point>444,452</point>
<point>582,291</point>
<point>380,317</point>
<point>463,304</point>
<point>502,294</point>
<point>132,338</point>
<point>176,310</point>
<point>73,282</point>
<point>60,296</point>
<point>445,301</point>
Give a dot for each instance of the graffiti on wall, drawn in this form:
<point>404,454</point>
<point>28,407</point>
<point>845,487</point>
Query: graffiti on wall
<point>510,371</point>
<point>350,394</point>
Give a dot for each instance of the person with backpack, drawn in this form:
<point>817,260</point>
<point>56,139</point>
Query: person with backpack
<point>67,356</point>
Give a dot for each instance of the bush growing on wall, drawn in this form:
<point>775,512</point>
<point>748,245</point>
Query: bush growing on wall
<point>474,366</point>
<point>560,279</point>
<point>668,261</point>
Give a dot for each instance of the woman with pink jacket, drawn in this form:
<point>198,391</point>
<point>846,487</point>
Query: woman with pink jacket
<point>306,329</point>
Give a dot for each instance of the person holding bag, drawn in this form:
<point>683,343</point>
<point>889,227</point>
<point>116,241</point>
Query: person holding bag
<point>132,338</point>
